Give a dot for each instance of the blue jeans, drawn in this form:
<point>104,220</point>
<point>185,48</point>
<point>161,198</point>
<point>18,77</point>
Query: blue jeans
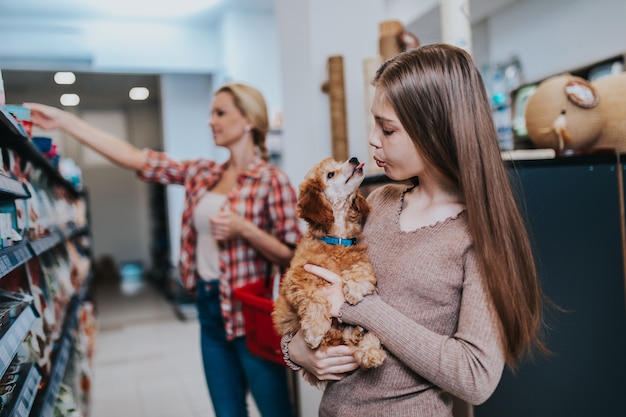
<point>230,369</point>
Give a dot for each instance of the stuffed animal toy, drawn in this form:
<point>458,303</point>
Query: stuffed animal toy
<point>568,113</point>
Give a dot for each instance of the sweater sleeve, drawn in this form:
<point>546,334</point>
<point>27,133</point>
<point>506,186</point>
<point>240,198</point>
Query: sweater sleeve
<point>467,364</point>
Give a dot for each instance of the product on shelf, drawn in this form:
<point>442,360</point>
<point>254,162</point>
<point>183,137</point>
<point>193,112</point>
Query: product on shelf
<point>22,116</point>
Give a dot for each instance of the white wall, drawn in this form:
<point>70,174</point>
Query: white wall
<point>558,35</point>
<point>251,55</point>
<point>548,36</point>
<point>185,110</point>
<point>309,32</point>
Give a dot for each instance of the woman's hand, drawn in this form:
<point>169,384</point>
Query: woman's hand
<point>46,117</point>
<point>226,225</point>
<point>334,292</point>
<point>331,363</point>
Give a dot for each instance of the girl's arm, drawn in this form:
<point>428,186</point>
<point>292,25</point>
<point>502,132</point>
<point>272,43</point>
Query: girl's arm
<point>467,364</point>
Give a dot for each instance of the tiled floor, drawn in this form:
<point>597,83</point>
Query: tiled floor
<point>147,361</point>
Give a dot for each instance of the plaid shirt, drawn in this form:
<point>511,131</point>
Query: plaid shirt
<point>263,195</point>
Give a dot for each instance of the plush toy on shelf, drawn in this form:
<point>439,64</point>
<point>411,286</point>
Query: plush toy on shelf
<point>568,113</point>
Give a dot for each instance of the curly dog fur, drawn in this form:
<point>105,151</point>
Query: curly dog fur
<point>330,202</point>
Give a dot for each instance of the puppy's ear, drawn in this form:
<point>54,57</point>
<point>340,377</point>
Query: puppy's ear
<point>313,207</point>
<point>362,208</point>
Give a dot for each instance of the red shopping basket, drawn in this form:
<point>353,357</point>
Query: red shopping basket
<point>261,338</point>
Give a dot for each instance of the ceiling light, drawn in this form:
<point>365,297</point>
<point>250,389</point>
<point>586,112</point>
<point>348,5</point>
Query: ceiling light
<point>64,78</point>
<point>138,93</point>
<point>70,99</point>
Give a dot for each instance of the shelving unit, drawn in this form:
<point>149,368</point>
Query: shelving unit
<point>521,139</point>
<point>46,263</point>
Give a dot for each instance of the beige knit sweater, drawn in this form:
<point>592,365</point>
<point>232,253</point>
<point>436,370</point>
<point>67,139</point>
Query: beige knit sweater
<point>431,314</point>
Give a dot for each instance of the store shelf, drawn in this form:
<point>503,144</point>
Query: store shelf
<point>13,256</point>
<point>45,243</point>
<point>12,339</point>
<point>11,188</point>
<point>26,391</point>
<point>72,230</point>
<point>46,405</point>
<point>46,398</point>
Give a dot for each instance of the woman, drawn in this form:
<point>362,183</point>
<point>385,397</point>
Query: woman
<point>458,294</point>
<point>239,218</point>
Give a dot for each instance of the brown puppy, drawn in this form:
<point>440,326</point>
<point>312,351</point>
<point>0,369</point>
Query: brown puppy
<point>330,202</point>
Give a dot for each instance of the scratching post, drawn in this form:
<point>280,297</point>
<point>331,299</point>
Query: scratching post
<point>370,66</point>
<point>335,88</point>
<point>388,42</point>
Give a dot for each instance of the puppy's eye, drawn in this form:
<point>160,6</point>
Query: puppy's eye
<point>330,175</point>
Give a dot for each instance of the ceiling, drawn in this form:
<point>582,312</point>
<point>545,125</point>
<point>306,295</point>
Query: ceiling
<point>106,89</point>
<point>102,89</point>
<point>191,11</point>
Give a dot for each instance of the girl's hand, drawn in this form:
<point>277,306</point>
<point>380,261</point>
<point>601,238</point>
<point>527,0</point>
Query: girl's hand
<point>226,225</point>
<point>334,292</point>
<point>330,364</point>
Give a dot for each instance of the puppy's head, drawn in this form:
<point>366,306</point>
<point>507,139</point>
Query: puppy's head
<point>332,187</point>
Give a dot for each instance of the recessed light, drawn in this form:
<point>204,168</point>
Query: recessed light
<point>64,78</point>
<point>139,93</point>
<point>70,99</point>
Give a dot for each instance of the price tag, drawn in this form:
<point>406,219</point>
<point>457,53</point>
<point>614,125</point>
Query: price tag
<point>23,254</point>
<point>20,326</point>
<point>7,262</point>
<point>12,341</point>
<point>4,355</point>
<point>35,245</point>
<point>22,410</point>
<point>3,268</point>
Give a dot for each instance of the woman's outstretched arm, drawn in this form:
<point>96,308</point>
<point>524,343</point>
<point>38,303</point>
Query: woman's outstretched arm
<point>113,148</point>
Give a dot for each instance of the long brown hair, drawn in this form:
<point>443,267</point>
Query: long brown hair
<point>251,104</point>
<point>440,99</point>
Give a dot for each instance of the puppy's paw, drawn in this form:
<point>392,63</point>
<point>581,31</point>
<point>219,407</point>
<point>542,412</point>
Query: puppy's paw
<point>312,340</point>
<point>370,358</point>
<point>369,353</point>
<point>354,291</point>
<point>314,333</point>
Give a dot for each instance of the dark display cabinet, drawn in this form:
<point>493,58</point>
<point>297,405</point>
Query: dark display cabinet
<point>574,209</point>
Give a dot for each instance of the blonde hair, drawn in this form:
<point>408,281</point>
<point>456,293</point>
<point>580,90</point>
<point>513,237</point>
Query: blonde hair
<point>251,104</point>
<point>439,97</point>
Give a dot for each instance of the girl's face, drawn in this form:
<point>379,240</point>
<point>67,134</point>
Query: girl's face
<point>393,148</point>
<point>227,123</point>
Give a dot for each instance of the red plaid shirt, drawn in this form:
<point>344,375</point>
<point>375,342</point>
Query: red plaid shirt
<point>262,195</point>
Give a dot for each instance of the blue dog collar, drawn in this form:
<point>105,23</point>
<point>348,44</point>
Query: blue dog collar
<point>331,240</point>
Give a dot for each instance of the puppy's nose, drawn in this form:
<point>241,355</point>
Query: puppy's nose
<point>354,160</point>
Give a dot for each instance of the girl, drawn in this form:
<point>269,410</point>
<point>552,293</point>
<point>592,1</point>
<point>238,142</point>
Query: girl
<point>458,294</point>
